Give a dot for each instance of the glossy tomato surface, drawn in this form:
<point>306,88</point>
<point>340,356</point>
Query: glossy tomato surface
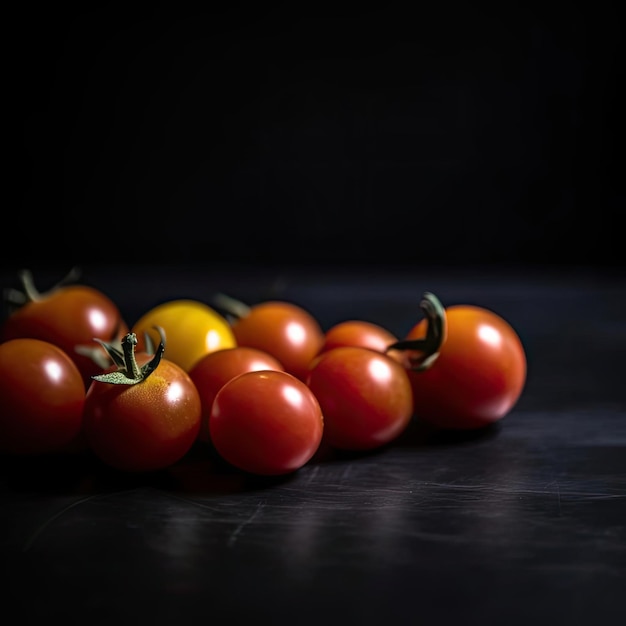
<point>146,426</point>
<point>214,370</point>
<point>192,329</point>
<point>42,396</point>
<point>479,374</point>
<point>70,317</point>
<point>266,423</point>
<point>283,329</point>
<point>363,333</point>
<point>358,333</point>
<point>365,396</point>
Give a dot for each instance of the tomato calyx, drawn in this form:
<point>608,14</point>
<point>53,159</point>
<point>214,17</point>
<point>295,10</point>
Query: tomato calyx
<point>14,298</point>
<point>424,352</point>
<point>101,359</point>
<point>230,307</point>
<point>128,371</point>
<point>104,359</point>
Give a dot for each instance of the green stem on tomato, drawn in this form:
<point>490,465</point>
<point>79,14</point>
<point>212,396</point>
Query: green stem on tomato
<point>14,299</point>
<point>129,342</point>
<point>429,346</point>
<point>129,372</point>
<point>231,306</point>
<point>31,291</point>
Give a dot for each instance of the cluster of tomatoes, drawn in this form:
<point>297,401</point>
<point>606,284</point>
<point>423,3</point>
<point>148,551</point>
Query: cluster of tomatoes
<point>263,384</point>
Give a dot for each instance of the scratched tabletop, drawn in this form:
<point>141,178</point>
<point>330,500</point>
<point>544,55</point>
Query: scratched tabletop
<point>521,523</point>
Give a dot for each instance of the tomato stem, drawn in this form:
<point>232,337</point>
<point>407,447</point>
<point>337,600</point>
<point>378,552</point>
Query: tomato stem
<point>231,306</point>
<point>429,346</point>
<point>128,370</point>
<point>14,299</point>
<point>33,294</point>
<point>129,342</point>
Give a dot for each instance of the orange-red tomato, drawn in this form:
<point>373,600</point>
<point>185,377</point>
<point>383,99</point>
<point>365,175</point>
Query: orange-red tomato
<point>479,374</point>
<point>283,329</point>
<point>215,369</point>
<point>266,422</point>
<point>42,396</point>
<point>365,396</point>
<point>357,332</point>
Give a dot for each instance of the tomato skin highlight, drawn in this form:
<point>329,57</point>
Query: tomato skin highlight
<point>358,333</point>
<point>192,329</point>
<point>146,426</point>
<point>479,374</point>
<point>366,397</point>
<point>283,329</point>
<point>215,369</point>
<point>362,333</point>
<point>266,422</point>
<point>42,396</point>
<point>71,316</point>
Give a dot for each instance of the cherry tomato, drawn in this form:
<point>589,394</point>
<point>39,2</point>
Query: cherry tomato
<point>148,419</point>
<point>266,423</point>
<point>192,329</point>
<point>356,332</point>
<point>282,329</point>
<point>478,375</point>
<point>365,397</point>
<point>70,316</point>
<point>215,369</point>
<point>42,396</point>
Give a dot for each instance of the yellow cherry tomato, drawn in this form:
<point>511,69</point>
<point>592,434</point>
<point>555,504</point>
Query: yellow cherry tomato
<point>192,330</point>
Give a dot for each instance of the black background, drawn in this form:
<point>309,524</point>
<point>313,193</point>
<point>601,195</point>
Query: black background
<point>414,133</point>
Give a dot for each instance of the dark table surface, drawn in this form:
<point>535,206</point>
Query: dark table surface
<point>523,523</point>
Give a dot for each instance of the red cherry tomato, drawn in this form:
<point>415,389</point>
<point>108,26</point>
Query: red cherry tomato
<point>145,425</point>
<point>266,423</point>
<point>356,332</point>
<point>215,369</point>
<point>479,374</point>
<point>42,396</point>
<point>365,397</point>
<point>283,329</point>
<point>70,316</point>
